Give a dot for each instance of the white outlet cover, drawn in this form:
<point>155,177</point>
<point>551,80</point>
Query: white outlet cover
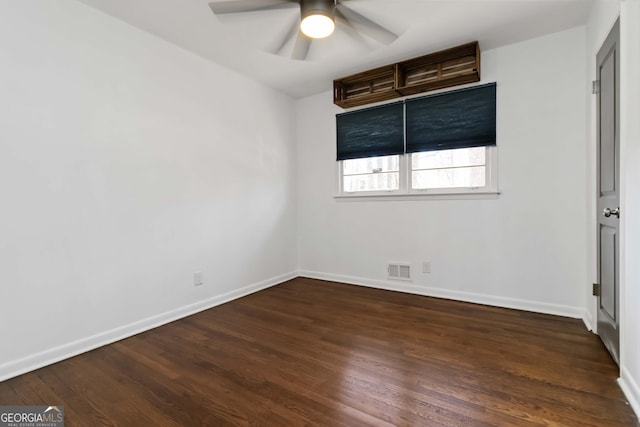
<point>426,267</point>
<point>198,278</point>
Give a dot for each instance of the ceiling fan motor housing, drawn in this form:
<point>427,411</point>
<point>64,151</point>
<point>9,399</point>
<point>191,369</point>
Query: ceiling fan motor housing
<point>318,7</point>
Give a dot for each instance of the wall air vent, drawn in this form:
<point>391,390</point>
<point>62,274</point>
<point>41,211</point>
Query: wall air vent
<point>399,271</point>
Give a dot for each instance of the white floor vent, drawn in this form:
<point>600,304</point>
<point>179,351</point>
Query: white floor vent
<point>399,271</point>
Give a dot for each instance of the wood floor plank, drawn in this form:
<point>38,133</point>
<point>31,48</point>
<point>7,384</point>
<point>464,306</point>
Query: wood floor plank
<point>310,352</point>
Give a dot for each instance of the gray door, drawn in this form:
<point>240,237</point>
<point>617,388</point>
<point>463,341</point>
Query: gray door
<point>608,62</point>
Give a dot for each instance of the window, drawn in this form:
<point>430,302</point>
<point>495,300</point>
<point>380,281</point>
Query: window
<point>459,168</point>
<point>443,143</point>
<point>455,171</point>
<point>371,174</point>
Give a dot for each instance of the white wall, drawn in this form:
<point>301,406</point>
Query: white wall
<point>126,165</point>
<point>630,201</point>
<point>525,249</point>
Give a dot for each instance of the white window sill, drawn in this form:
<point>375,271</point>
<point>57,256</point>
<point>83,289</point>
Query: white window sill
<point>421,195</point>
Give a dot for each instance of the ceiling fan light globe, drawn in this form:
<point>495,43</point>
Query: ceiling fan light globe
<point>317,26</point>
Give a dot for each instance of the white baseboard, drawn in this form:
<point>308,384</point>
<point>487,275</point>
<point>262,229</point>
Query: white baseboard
<point>588,321</point>
<point>65,351</point>
<point>630,389</point>
<point>497,301</point>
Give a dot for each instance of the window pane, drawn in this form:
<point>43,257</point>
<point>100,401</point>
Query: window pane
<point>449,158</point>
<point>372,182</point>
<point>371,165</point>
<point>449,178</point>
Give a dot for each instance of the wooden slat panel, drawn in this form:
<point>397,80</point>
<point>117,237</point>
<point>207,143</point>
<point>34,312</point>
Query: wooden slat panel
<point>429,72</point>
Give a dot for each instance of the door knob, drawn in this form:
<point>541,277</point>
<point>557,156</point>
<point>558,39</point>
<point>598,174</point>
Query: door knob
<point>608,212</point>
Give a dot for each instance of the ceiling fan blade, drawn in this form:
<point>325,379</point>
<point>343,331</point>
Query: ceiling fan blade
<point>345,25</point>
<point>291,32</point>
<point>237,6</point>
<point>365,25</point>
<point>301,48</point>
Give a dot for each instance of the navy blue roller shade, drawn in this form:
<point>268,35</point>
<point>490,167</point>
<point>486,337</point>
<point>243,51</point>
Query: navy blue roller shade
<point>457,119</point>
<point>377,131</point>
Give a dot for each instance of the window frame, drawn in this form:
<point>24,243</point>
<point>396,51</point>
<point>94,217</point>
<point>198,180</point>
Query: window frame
<point>405,190</point>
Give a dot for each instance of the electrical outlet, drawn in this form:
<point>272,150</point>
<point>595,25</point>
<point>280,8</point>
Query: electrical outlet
<point>426,267</point>
<point>198,278</point>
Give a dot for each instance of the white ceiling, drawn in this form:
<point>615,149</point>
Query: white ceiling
<point>239,41</point>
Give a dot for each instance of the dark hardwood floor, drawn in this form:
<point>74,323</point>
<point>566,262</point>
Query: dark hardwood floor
<point>309,352</point>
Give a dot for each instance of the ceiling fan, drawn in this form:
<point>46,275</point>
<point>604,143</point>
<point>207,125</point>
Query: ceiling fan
<point>318,20</point>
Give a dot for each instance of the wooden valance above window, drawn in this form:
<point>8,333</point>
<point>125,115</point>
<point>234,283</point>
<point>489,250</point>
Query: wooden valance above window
<point>447,68</point>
